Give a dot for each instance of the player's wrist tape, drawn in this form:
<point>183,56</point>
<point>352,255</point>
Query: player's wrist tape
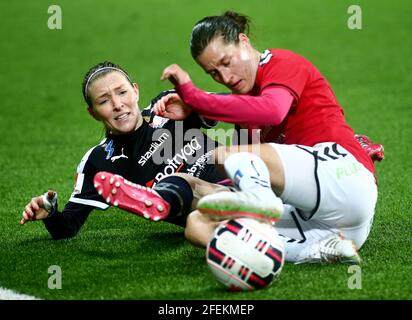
<point>50,203</point>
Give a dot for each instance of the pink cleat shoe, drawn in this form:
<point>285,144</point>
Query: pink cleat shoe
<point>374,150</point>
<point>130,196</point>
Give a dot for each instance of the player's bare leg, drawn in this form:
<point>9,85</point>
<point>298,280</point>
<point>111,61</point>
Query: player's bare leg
<point>200,228</point>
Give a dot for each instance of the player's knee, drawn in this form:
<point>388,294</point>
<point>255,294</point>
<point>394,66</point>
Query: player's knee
<point>359,234</point>
<point>199,229</point>
<point>192,230</point>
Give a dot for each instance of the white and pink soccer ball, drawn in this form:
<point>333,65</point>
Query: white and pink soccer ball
<point>245,254</point>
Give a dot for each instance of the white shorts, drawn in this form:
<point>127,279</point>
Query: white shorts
<point>331,191</point>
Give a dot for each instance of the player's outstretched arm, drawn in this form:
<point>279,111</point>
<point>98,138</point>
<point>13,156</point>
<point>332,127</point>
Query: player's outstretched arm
<point>39,207</point>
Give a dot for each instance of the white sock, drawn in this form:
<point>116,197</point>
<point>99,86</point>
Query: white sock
<point>248,172</point>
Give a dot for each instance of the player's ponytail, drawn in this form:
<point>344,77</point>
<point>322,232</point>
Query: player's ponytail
<point>240,20</point>
<point>228,25</point>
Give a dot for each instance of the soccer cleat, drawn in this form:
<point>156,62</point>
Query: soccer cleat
<point>374,150</point>
<point>231,205</point>
<point>333,249</point>
<point>130,196</point>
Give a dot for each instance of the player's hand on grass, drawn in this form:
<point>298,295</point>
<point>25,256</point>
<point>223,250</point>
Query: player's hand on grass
<point>40,207</point>
<point>172,107</point>
<point>175,74</point>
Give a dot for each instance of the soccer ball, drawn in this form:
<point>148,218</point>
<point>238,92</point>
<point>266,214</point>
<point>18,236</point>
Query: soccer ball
<point>245,254</point>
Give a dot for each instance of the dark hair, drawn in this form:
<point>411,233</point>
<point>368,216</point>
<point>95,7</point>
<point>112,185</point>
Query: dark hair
<point>94,73</point>
<point>228,25</point>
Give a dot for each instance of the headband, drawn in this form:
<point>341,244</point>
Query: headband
<point>100,70</point>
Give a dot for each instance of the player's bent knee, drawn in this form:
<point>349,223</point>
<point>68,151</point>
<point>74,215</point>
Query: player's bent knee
<point>199,229</point>
<point>359,234</point>
<point>192,230</point>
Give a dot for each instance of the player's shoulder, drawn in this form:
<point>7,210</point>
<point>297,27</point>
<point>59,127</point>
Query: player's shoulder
<point>273,57</point>
<point>96,153</point>
<point>151,118</point>
<point>283,61</point>
<point>279,55</point>
<point>282,53</point>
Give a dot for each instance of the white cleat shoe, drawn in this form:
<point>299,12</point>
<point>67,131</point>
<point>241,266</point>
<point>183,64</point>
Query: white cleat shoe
<point>333,249</point>
<point>230,205</point>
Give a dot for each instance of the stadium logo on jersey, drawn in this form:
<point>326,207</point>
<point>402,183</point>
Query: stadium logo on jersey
<point>109,149</point>
<point>153,147</point>
<point>177,162</point>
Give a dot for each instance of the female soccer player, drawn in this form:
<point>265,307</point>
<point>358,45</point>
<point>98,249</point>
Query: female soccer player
<point>142,152</point>
<point>312,160</point>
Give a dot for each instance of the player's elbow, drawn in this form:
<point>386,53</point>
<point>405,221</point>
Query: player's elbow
<point>63,234</point>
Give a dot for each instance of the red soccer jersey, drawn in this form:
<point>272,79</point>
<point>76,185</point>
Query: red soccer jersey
<point>315,115</point>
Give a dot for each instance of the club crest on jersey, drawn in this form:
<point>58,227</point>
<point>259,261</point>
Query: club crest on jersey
<point>109,149</point>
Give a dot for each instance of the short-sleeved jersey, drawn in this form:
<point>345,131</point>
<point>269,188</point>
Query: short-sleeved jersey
<point>159,147</point>
<point>315,115</point>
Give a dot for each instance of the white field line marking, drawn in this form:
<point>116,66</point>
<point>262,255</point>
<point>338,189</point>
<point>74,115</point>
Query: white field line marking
<point>7,294</point>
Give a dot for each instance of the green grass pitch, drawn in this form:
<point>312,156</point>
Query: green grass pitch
<point>46,130</point>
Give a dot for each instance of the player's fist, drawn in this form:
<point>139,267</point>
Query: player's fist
<point>172,107</point>
<point>175,74</point>
<point>40,207</point>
